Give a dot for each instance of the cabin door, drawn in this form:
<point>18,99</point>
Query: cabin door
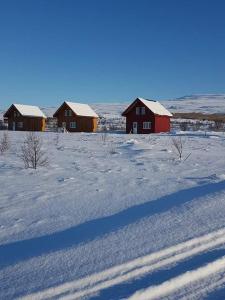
<point>14,126</point>
<point>134,127</point>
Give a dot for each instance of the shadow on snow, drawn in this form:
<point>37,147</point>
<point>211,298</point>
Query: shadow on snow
<point>21,250</point>
<point>158,277</point>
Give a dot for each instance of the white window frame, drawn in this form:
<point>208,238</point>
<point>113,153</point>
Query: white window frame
<point>20,124</point>
<point>147,125</point>
<point>73,125</point>
<point>143,110</point>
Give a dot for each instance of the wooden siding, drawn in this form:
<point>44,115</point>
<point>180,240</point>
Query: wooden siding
<point>83,124</point>
<point>29,123</point>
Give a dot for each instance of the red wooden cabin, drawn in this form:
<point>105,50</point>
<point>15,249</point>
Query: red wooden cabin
<point>147,116</point>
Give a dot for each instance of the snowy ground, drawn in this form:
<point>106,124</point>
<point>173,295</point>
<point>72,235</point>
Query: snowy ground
<point>120,219</point>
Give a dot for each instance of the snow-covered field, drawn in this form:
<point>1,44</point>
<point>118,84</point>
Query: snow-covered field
<point>116,219</point>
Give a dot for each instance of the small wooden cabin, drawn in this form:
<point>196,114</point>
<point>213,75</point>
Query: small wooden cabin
<point>25,118</point>
<point>76,117</point>
<point>147,116</point>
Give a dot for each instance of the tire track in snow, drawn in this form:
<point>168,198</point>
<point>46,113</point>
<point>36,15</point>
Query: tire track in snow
<point>171,286</point>
<point>133,269</point>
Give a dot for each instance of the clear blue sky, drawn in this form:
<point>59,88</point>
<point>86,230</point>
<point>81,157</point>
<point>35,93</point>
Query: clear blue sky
<point>110,50</point>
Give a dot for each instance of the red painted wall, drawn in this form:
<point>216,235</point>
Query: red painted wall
<point>162,124</point>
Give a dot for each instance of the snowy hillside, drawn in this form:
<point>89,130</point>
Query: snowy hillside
<point>193,103</point>
<point>115,217</point>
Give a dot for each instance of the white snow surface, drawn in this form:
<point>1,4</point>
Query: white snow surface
<point>81,109</point>
<point>156,107</point>
<point>29,110</point>
<point>117,217</point>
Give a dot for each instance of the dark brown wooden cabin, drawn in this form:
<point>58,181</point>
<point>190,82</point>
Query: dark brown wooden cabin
<point>76,117</point>
<point>25,118</point>
<point>147,116</point>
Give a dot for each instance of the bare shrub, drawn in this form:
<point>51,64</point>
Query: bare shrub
<point>4,143</point>
<point>32,153</point>
<point>112,148</point>
<point>196,126</point>
<point>104,134</point>
<point>56,140</point>
<point>218,125</point>
<point>183,126</point>
<point>178,144</point>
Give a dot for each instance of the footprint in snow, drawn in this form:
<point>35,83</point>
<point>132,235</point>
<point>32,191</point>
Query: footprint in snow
<point>65,179</point>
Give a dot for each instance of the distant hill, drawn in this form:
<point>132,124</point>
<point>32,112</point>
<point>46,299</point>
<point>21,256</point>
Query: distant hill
<point>204,103</point>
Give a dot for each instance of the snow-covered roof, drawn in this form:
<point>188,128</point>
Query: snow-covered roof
<point>29,110</point>
<point>156,107</point>
<point>81,109</point>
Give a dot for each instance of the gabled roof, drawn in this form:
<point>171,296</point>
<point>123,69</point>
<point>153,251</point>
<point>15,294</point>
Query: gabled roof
<point>27,110</point>
<point>155,107</point>
<point>80,109</point>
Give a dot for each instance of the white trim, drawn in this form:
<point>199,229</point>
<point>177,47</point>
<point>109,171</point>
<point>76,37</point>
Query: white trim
<point>73,124</point>
<point>147,125</point>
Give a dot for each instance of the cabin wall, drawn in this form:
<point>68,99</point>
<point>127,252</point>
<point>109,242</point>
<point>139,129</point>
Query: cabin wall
<point>162,124</point>
<point>29,123</point>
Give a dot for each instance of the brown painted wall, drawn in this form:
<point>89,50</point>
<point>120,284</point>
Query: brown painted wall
<point>83,124</point>
<point>29,123</point>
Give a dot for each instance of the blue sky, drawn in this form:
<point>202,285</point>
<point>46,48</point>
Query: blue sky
<point>110,50</point>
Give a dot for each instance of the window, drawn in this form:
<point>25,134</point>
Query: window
<point>140,110</point>
<point>20,124</point>
<point>137,110</point>
<point>68,113</point>
<point>143,110</point>
<point>73,125</point>
<point>147,125</point>
<point>16,114</point>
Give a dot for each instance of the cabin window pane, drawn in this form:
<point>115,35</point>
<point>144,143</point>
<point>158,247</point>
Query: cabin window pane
<point>143,110</point>
<point>70,113</point>
<point>147,125</point>
<point>73,125</point>
<point>20,124</point>
<point>137,110</point>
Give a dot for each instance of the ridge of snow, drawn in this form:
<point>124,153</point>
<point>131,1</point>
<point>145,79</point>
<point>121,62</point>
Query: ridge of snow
<point>138,267</point>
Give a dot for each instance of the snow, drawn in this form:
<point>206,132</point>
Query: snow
<point>81,109</point>
<point>29,110</point>
<point>156,107</point>
<point>103,224</point>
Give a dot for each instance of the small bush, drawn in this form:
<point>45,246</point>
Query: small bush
<point>32,153</point>
<point>4,143</point>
